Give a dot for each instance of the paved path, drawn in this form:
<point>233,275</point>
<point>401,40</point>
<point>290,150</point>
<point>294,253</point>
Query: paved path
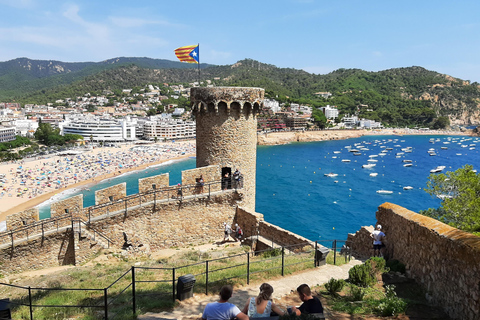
<point>194,306</point>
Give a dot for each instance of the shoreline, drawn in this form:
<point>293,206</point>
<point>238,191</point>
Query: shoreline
<point>274,138</point>
<point>278,138</point>
<point>13,204</point>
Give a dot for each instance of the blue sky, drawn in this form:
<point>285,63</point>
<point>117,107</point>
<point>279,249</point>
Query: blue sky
<point>316,36</point>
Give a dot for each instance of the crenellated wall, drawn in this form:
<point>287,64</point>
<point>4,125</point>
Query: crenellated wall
<point>160,181</point>
<point>73,205</point>
<point>444,259</point>
<point>22,218</point>
<point>209,174</point>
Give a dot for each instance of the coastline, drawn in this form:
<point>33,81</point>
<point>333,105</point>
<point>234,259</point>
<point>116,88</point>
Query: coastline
<point>277,138</point>
<point>11,205</point>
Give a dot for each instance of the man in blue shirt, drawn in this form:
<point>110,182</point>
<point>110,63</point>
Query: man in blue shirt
<point>222,309</point>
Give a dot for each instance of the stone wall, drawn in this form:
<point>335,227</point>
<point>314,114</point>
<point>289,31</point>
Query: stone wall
<point>72,205</point>
<point>444,259</point>
<point>160,181</point>
<point>193,221</point>
<point>22,218</point>
<point>209,173</point>
<point>251,221</point>
<point>111,193</point>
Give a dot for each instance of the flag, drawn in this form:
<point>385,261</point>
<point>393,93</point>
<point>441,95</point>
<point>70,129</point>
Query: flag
<point>188,54</point>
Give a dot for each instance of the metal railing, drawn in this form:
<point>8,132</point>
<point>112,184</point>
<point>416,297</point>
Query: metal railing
<point>171,193</point>
<point>126,291</point>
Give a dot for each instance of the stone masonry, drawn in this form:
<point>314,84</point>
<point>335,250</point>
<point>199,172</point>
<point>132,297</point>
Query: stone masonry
<point>159,181</point>
<point>72,205</point>
<point>227,131</point>
<point>444,259</point>
<point>21,219</point>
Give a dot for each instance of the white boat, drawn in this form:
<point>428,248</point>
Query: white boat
<point>444,148</point>
<point>373,174</point>
<point>373,156</point>
<point>346,160</point>
<point>353,150</point>
<point>407,188</point>
<point>372,160</point>
<point>384,191</point>
<point>408,165</point>
<point>334,157</point>
<point>437,169</point>
<point>357,153</point>
<point>368,166</point>
<point>331,174</point>
<point>407,161</point>
<point>337,152</point>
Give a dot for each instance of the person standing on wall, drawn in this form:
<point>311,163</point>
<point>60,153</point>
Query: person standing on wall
<point>227,231</point>
<point>378,241</point>
<point>238,233</point>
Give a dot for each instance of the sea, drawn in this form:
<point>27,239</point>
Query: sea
<point>321,190</point>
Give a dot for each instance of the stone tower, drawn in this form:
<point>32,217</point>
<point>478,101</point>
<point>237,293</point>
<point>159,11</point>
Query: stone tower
<point>226,119</point>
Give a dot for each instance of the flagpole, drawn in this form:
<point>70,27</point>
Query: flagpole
<point>199,72</point>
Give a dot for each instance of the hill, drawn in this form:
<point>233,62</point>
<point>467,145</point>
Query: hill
<point>22,76</point>
<point>411,96</point>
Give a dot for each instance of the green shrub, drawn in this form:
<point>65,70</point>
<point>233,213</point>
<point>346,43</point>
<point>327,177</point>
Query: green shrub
<point>361,275</point>
<point>391,305</point>
<point>272,253</point>
<point>357,293</point>
<point>377,264</point>
<point>396,266</point>
<point>333,286</point>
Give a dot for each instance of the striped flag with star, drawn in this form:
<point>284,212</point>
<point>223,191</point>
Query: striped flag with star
<point>188,54</point>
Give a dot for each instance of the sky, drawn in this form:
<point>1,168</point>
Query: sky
<point>313,35</point>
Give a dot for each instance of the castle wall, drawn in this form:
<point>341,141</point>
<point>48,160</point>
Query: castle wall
<point>160,181</point>
<point>444,259</point>
<point>249,221</point>
<point>209,173</point>
<point>193,221</point>
<point>74,205</point>
<point>22,218</point>
<point>111,194</point>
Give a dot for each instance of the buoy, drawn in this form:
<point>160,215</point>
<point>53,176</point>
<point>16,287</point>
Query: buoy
<point>333,228</point>
<point>310,181</point>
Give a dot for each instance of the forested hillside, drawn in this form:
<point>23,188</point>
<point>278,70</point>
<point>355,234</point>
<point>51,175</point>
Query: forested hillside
<point>398,97</point>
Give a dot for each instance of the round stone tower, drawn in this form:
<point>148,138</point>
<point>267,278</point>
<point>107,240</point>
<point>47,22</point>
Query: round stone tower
<point>226,120</point>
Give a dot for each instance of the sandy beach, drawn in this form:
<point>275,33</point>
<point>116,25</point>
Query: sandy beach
<point>30,182</point>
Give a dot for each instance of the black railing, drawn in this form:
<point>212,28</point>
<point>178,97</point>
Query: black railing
<point>171,193</point>
<point>126,292</point>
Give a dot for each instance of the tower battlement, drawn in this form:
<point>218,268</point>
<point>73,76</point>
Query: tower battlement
<point>246,100</point>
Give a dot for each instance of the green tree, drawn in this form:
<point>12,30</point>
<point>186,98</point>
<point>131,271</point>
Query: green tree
<point>319,118</point>
<point>441,123</point>
<point>460,194</point>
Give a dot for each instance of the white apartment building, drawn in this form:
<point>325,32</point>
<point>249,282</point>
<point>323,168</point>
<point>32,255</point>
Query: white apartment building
<point>168,128</point>
<point>273,105</point>
<point>330,112</point>
<point>25,127</point>
<point>7,134</point>
<point>100,130</point>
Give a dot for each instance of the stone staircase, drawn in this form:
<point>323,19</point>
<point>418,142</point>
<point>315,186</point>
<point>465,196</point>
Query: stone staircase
<point>84,233</point>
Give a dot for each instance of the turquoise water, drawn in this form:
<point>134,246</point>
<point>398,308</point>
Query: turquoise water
<point>294,193</point>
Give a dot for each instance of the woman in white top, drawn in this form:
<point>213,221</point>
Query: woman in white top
<point>262,305</point>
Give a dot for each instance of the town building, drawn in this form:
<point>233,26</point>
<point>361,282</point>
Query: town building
<point>100,129</point>
<point>7,134</point>
<point>166,127</point>
<point>330,112</point>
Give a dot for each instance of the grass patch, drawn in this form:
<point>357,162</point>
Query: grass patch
<point>154,282</point>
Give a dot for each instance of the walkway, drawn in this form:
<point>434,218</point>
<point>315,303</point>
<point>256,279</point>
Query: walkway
<point>192,308</point>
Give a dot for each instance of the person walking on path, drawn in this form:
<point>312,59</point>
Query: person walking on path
<point>227,231</point>
<point>238,233</point>
<point>378,241</point>
<point>262,305</point>
<point>222,309</point>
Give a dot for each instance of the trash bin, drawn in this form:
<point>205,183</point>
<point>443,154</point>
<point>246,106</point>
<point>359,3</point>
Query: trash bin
<point>185,286</point>
<point>322,253</point>
<point>5,309</point>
